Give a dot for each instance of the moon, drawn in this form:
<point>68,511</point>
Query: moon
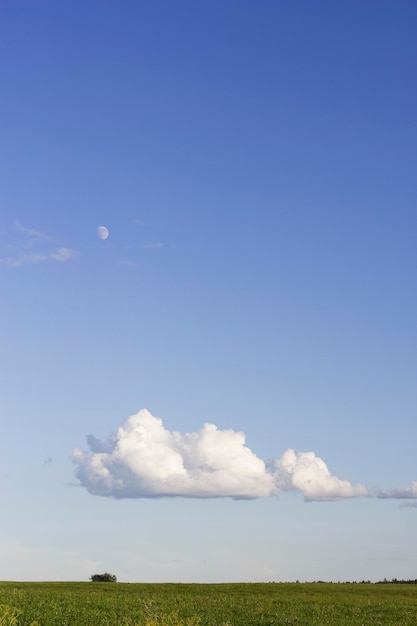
<point>102,232</point>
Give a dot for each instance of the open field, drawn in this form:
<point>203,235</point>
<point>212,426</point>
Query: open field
<point>122,604</point>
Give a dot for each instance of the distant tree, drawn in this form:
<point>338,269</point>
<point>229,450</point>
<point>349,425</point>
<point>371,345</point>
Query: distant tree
<point>103,578</point>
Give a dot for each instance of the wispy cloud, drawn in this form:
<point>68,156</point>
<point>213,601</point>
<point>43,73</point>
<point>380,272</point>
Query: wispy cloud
<point>63,254</point>
<point>19,258</point>
<point>144,460</point>
<point>31,246</point>
<point>126,263</point>
<point>154,245</point>
<point>31,233</point>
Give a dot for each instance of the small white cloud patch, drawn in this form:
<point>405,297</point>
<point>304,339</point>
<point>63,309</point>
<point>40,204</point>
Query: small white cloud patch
<point>63,254</point>
<point>59,254</point>
<point>309,474</point>
<point>401,492</point>
<point>31,234</point>
<point>31,246</point>
<point>154,245</point>
<point>144,459</point>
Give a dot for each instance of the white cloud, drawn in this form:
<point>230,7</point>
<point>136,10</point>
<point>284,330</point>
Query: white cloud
<point>31,233</point>
<point>31,246</point>
<point>23,258</point>
<point>309,474</point>
<point>400,492</point>
<point>154,245</point>
<point>63,254</point>
<point>144,459</point>
<point>126,263</point>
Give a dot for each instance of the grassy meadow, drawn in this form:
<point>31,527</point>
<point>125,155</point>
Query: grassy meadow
<point>123,604</point>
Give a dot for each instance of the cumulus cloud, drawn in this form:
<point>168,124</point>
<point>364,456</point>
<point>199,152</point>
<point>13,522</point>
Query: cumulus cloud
<point>144,459</point>
<point>309,474</point>
<point>400,492</point>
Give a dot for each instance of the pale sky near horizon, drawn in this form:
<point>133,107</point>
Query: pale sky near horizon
<point>208,285</point>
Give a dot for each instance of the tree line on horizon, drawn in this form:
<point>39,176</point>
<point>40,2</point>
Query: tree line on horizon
<point>112,578</point>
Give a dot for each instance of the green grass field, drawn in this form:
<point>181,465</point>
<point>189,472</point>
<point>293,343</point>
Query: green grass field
<point>122,604</point>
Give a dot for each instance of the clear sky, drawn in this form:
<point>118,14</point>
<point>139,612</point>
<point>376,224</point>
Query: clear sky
<point>219,385</point>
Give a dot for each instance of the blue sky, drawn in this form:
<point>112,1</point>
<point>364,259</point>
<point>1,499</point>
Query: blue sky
<point>254,164</point>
